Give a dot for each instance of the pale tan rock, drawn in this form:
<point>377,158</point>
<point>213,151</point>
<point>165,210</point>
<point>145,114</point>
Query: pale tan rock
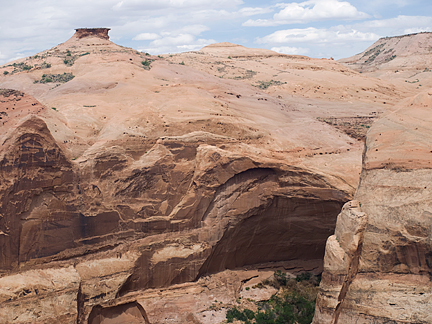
<point>143,180</point>
<point>387,277</point>
<point>40,296</point>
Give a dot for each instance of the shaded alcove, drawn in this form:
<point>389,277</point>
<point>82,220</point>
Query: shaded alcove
<point>132,313</point>
<point>288,229</point>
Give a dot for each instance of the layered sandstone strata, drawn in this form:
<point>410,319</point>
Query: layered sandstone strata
<point>92,32</point>
<point>138,178</point>
<point>378,264</point>
<point>142,179</point>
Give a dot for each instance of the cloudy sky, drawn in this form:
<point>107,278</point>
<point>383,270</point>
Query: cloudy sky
<point>317,28</point>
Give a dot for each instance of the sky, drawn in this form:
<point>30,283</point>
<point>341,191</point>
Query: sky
<point>316,28</point>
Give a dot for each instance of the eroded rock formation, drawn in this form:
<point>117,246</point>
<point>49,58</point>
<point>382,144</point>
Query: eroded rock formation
<point>95,32</point>
<point>127,184</point>
<point>378,264</point>
<point>119,225</point>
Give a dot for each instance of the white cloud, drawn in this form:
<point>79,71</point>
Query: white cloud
<point>387,3</point>
<point>291,50</point>
<point>313,10</point>
<point>176,44</point>
<point>396,26</point>
<point>173,40</point>
<point>140,6</point>
<point>191,29</point>
<point>315,35</point>
<point>146,36</point>
<point>399,22</point>
<point>248,11</point>
<point>259,23</point>
<point>417,30</point>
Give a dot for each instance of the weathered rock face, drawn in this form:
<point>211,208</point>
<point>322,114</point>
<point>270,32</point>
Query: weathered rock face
<point>378,264</point>
<point>96,32</point>
<point>37,180</point>
<point>146,176</point>
<point>184,209</point>
<point>407,51</point>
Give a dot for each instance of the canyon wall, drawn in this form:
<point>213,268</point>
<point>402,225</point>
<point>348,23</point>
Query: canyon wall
<point>75,236</point>
<point>378,263</point>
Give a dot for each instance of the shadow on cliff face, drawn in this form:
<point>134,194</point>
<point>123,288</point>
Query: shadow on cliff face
<point>287,229</point>
<point>280,215</point>
<point>132,313</point>
<point>259,216</point>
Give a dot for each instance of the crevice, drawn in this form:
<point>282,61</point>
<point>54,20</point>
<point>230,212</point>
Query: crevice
<point>352,273</point>
<point>80,306</point>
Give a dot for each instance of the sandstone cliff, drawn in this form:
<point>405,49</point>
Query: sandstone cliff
<point>378,264</point>
<point>121,173</point>
<point>127,180</point>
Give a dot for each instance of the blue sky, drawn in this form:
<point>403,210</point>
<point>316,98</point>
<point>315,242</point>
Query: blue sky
<point>316,28</point>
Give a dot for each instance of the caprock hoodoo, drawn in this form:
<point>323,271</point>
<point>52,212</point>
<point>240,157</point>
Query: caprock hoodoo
<point>96,32</point>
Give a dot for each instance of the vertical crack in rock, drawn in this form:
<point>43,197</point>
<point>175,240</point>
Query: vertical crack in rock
<point>341,262</point>
<point>80,306</point>
<point>352,272</point>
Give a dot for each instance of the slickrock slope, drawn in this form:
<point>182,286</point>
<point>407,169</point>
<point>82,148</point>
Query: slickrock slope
<point>292,76</point>
<point>122,172</point>
<point>378,264</point>
<point>129,182</point>
<point>402,60</point>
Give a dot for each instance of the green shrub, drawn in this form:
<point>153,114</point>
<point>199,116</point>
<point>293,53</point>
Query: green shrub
<point>58,78</point>
<point>294,303</point>
<point>280,277</point>
<point>290,308</point>
<point>235,314</point>
<point>304,276</point>
<point>5,72</point>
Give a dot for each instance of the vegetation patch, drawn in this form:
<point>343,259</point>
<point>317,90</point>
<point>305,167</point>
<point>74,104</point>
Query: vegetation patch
<point>373,53</point>
<point>293,304</point>
<point>265,84</point>
<point>415,81</point>
<point>55,78</point>
<point>391,58</point>
<point>10,92</point>
<point>147,64</point>
<point>45,65</point>
<point>70,59</point>
<point>20,67</point>
<point>373,50</point>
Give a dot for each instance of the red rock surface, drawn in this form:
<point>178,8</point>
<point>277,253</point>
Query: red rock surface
<point>92,32</point>
<point>133,179</point>
<point>378,263</point>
